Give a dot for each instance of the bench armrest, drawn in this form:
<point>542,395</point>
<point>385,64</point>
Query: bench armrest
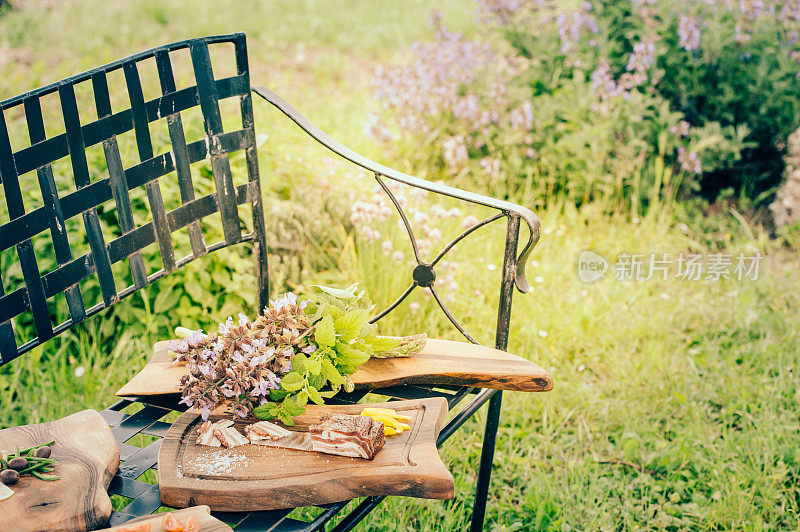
<point>509,209</point>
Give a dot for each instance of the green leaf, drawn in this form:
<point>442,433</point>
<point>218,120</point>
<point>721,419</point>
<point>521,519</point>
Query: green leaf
<point>342,349</point>
<point>364,347</point>
<point>166,299</point>
<point>350,324</point>
<point>355,357</point>
<point>335,292</point>
<point>302,397</point>
<point>331,373</point>
<point>325,333</point>
<point>260,409</point>
<point>293,408</point>
<point>352,288</point>
<point>369,328</point>
<point>278,395</point>
<point>314,395</point>
<point>292,382</point>
<point>313,365</point>
<point>285,418</point>
<point>317,381</point>
<point>300,363</point>
<point>196,291</point>
<point>345,368</point>
<point>266,411</point>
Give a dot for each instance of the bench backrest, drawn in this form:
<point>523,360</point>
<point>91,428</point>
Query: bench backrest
<point>103,199</point>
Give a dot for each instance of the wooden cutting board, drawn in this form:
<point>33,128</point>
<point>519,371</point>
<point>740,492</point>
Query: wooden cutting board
<point>87,458</point>
<point>254,477</point>
<point>202,513</point>
<point>439,362</point>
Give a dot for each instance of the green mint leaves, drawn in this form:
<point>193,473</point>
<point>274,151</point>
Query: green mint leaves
<point>344,340</point>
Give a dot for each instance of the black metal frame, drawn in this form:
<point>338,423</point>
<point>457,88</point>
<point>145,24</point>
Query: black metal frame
<point>226,200</point>
<point>39,156</point>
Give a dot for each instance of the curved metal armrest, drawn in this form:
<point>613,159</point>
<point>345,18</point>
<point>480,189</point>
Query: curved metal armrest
<point>510,209</point>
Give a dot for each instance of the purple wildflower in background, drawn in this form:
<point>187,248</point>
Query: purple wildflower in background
<point>681,130</point>
<point>741,36</point>
<point>603,82</point>
<point>643,55</point>
<point>375,128</point>
<point>521,117</point>
<point>688,33</point>
<point>753,9</point>
<point>689,161</point>
<point>470,221</point>
<point>500,11</point>
<point>491,165</point>
<point>432,83</point>
<point>571,24</point>
<point>475,102</point>
<point>455,152</point>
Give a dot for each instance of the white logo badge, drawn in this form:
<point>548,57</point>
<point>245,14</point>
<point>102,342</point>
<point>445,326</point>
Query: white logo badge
<point>591,267</point>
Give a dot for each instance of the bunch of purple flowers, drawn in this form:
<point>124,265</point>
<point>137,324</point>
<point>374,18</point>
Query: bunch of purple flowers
<point>244,359</point>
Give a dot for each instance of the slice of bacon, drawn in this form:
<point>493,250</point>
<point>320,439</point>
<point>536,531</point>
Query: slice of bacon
<point>356,436</point>
<point>206,436</point>
<point>209,434</point>
<point>229,437</point>
<point>264,430</point>
<point>342,449</point>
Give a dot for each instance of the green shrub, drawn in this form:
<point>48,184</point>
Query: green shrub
<point>724,65</point>
<point>627,102</point>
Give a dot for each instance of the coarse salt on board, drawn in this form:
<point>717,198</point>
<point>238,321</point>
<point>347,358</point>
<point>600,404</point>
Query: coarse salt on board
<point>218,462</point>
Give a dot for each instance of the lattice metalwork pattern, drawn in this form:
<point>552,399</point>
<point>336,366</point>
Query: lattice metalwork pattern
<point>91,191</point>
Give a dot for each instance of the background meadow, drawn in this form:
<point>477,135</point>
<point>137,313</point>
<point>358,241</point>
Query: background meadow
<point>676,401</point>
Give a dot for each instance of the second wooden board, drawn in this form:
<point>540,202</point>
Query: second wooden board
<point>201,513</point>
<point>86,457</point>
<point>439,362</point>
<point>254,477</point>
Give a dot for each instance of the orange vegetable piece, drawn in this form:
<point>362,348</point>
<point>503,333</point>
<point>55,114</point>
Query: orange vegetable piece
<point>192,525</point>
<point>171,523</point>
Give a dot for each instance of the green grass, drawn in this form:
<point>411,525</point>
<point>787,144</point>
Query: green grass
<point>675,404</point>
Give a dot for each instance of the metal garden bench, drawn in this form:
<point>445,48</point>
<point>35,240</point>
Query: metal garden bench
<point>228,199</point>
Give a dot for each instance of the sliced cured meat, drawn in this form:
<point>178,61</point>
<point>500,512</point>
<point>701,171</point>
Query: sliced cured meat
<point>264,430</point>
<point>206,434</point>
<point>355,436</point>
<point>230,437</point>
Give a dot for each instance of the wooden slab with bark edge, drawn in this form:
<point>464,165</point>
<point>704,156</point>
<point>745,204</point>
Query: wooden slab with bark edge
<point>202,513</point>
<point>254,477</point>
<point>439,362</point>
<point>87,457</point>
